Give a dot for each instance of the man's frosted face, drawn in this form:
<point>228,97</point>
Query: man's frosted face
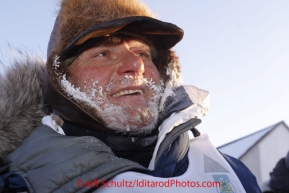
<point>121,81</point>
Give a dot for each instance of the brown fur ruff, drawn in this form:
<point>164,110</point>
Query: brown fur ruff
<point>22,104</point>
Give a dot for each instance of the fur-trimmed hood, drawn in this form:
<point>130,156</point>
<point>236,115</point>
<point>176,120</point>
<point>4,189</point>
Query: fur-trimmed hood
<point>21,102</point>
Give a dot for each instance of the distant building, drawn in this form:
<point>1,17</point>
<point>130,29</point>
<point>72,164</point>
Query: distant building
<point>260,151</point>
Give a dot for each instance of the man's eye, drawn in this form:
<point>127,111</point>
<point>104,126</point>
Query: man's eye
<point>99,54</point>
<point>102,54</point>
<point>143,55</point>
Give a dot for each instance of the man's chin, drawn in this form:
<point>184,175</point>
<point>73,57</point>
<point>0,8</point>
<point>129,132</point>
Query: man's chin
<point>132,121</point>
<point>134,129</point>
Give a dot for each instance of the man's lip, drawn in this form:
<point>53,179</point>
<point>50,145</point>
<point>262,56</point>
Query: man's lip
<point>128,90</point>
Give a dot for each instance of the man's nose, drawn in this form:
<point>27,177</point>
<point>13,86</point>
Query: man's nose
<point>131,64</point>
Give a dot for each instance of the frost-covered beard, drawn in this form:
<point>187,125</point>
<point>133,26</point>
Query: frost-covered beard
<point>119,117</point>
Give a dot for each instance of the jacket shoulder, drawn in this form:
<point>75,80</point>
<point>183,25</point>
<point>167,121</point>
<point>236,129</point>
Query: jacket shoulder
<point>245,176</point>
<point>70,160</point>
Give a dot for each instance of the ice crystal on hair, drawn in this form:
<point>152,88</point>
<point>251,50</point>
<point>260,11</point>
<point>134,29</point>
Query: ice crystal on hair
<point>56,62</point>
<point>175,80</point>
<point>108,87</point>
<point>94,83</point>
<point>156,90</point>
<point>93,91</point>
<point>74,92</point>
<point>100,91</point>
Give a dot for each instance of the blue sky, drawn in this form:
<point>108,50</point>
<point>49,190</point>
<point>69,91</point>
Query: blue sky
<point>237,50</point>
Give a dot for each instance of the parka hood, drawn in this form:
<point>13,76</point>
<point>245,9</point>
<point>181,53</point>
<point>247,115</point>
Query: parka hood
<point>79,21</point>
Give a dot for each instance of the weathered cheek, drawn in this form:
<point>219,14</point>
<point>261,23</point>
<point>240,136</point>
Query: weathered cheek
<point>78,76</point>
<point>153,74</point>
